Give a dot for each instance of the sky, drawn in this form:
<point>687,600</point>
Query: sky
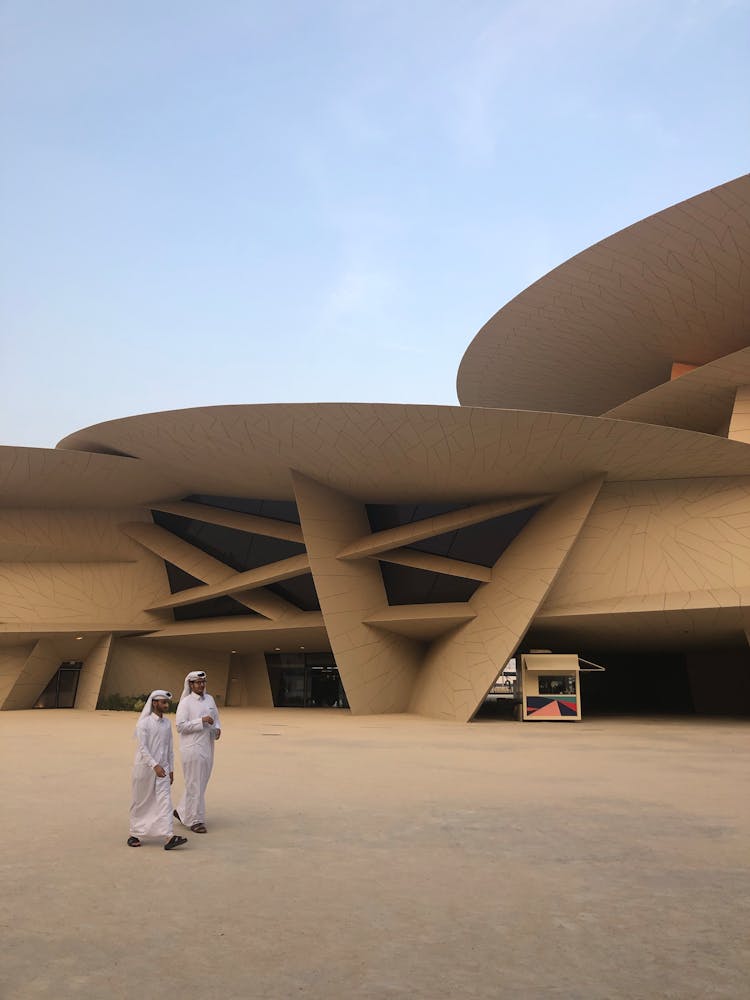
<point>311,200</point>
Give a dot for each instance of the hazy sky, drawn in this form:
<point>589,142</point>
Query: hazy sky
<point>237,202</point>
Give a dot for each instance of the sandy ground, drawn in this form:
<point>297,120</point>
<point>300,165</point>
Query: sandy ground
<point>383,857</point>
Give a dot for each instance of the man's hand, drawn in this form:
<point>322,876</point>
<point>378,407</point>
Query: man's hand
<point>217,735</point>
<point>160,772</point>
<point>208,720</point>
<point>171,777</point>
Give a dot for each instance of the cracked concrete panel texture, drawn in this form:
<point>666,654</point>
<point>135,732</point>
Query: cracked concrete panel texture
<point>649,328</point>
<point>607,325</point>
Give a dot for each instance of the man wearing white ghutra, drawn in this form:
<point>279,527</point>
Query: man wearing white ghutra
<point>153,774</point>
<point>199,728</point>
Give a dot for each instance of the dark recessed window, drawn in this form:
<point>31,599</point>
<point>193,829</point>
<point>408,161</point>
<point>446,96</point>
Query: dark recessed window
<point>240,550</point>
<point>405,585</point>
<point>305,680</point>
<point>299,591</point>
<point>390,515</point>
<point>481,543</point>
<point>216,607</point>
<point>179,579</point>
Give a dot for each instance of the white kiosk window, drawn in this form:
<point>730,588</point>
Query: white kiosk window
<point>550,687</point>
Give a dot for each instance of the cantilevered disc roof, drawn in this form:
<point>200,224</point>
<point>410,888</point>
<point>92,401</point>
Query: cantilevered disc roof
<point>393,453</point>
<point>607,325</point>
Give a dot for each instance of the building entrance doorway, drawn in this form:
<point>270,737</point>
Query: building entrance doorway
<point>305,680</point>
<point>62,689</point>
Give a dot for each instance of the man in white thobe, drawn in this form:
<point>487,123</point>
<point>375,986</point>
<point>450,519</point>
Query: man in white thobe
<point>153,774</point>
<point>199,728</point>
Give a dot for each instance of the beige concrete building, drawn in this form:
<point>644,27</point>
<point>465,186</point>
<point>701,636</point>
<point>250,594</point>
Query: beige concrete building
<point>591,495</point>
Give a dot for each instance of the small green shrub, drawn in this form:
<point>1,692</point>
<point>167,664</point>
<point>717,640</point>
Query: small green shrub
<point>127,703</point>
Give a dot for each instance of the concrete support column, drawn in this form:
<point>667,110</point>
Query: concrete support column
<point>248,685</point>
<point>33,677</point>
<point>92,674</point>
<point>12,661</point>
<point>377,668</point>
<point>461,666</point>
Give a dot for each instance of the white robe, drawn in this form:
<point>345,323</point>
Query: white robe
<point>151,809</point>
<point>197,753</point>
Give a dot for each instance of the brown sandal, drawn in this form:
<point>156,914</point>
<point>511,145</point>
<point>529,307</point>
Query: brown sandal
<point>198,828</point>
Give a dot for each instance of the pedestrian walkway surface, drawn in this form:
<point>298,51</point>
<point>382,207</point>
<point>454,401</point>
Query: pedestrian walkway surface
<point>383,857</point>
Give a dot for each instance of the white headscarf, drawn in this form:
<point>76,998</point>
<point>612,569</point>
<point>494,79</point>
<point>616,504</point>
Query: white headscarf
<point>154,694</point>
<point>194,675</point>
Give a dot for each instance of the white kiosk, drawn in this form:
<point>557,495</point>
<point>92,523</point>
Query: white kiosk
<point>550,688</point>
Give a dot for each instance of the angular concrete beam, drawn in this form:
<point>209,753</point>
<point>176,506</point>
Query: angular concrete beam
<point>460,668</point>
<point>252,523</point>
<point>422,621</point>
<point>436,564</point>
<point>35,674</point>
<point>239,624</point>
<point>197,563</point>
<point>249,684</point>
<point>177,551</point>
<point>59,630</point>
<point>371,544</point>
<point>377,668</point>
<point>269,605</point>
<point>284,569</point>
<point>92,674</point>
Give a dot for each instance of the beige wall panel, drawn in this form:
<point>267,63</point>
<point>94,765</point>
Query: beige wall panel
<point>248,684</point>
<point>68,535</point>
<point>377,668</point>
<point>12,659</point>
<point>62,576</point>
<point>650,543</point>
<point>137,667</point>
<point>92,674</point>
<point>739,425</point>
<point>36,673</point>
<point>460,668</point>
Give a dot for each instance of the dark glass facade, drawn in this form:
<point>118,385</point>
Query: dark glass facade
<point>305,680</point>
<point>406,585</point>
<point>481,544</point>
<point>239,550</point>
<point>62,689</point>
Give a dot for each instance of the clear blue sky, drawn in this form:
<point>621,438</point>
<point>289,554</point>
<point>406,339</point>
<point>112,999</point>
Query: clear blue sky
<point>237,202</point>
